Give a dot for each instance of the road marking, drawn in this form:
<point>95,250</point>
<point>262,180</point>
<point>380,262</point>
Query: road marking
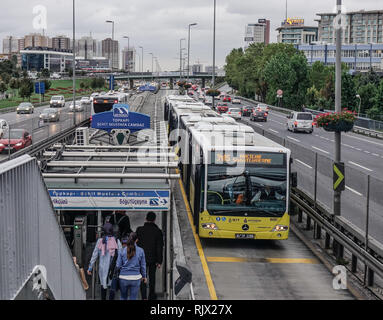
<point>276,121</point>
<point>320,150</point>
<point>379,144</point>
<point>358,149</point>
<point>263,260</point>
<point>305,164</point>
<point>358,165</point>
<point>205,268</point>
<point>273,130</point>
<point>293,139</point>
<point>277,115</point>
<point>259,125</point>
<point>346,145</point>
<point>375,154</point>
<point>352,190</point>
<point>367,152</point>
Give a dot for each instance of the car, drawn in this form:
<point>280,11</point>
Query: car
<point>57,102</point>
<point>190,93</point>
<point>78,106</point>
<point>208,101</point>
<point>85,100</point>
<point>25,107</point>
<point>3,126</point>
<point>94,94</point>
<point>50,114</point>
<point>55,76</point>
<point>194,87</point>
<point>263,107</point>
<point>226,99</point>
<point>235,113</point>
<point>247,111</point>
<point>222,107</point>
<point>236,100</point>
<point>15,140</point>
<point>260,115</point>
<point>300,121</point>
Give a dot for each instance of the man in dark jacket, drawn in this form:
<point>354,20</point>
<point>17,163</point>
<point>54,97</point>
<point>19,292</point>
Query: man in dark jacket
<point>151,240</point>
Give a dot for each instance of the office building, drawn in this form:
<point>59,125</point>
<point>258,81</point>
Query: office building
<point>129,59</point>
<point>110,50</point>
<point>61,42</point>
<point>257,32</point>
<point>36,40</point>
<point>358,57</point>
<point>10,45</point>
<point>55,60</point>
<point>86,47</point>
<point>360,27</point>
<point>197,68</point>
<point>295,32</point>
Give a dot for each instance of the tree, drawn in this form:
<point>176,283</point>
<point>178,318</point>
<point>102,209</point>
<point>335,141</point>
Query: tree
<point>45,73</point>
<point>14,84</point>
<point>367,94</point>
<point>70,73</point>
<point>318,74</point>
<point>376,112</point>
<point>349,99</point>
<point>312,96</point>
<point>5,77</point>
<point>26,88</point>
<point>3,87</point>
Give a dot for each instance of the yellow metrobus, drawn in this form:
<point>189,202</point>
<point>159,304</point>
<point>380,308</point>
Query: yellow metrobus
<point>237,182</point>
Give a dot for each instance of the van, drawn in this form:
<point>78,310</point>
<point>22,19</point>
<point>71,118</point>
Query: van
<point>300,121</point>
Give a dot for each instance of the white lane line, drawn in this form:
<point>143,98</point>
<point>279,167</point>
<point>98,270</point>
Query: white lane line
<point>305,164</point>
<point>293,139</point>
<point>320,150</point>
<point>379,144</point>
<point>356,192</point>
<point>273,130</point>
<point>358,149</point>
<point>375,154</point>
<point>358,165</point>
<point>276,121</point>
<point>277,115</point>
<point>346,145</point>
<point>367,152</point>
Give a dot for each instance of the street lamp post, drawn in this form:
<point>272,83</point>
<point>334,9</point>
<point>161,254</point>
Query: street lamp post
<point>142,62</point>
<point>181,56</point>
<point>360,102</point>
<point>112,22</point>
<point>74,62</point>
<point>213,80</point>
<point>126,37</point>
<point>190,25</point>
<point>152,63</point>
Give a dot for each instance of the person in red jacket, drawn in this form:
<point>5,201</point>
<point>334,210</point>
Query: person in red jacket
<point>150,238</point>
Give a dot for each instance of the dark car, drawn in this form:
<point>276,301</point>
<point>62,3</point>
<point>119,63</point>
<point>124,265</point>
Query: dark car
<point>25,107</point>
<point>222,107</point>
<point>259,115</point>
<point>15,140</point>
<point>50,114</point>
<point>247,111</point>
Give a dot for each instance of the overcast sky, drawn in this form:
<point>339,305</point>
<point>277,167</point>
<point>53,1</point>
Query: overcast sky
<point>158,25</point>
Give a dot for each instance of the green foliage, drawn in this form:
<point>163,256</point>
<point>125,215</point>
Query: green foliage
<point>26,88</point>
<point>3,87</point>
<point>312,96</point>
<point>367,95</point>
<point>45,73</point>
<point>349,99</point>
<point>376,112</point>
<point>48,84</point>
<point>97,83</point>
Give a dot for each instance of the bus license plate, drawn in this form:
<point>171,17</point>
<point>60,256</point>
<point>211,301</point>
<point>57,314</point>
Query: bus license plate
<point>244,236</point>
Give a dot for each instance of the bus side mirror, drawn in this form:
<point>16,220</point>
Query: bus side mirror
<point>294,179</point>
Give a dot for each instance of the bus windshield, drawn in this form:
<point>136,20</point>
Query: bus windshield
<point>258,191</point>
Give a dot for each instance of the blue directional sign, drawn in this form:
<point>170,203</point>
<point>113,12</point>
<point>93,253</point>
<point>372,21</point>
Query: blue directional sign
<point>147,87</point>
<point>120,118</point>
<point>40,87</point>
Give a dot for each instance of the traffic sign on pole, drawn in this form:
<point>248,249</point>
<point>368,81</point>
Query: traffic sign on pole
<point>338,176</point>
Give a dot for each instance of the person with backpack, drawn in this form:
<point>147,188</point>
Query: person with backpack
<point>106,248</point>
<point>124,230</point>
<point>150,238</point>
<point>131,266</point>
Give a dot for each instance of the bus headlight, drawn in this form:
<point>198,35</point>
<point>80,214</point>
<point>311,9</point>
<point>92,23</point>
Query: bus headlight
<point>280,228</point>
<point>211,226</point>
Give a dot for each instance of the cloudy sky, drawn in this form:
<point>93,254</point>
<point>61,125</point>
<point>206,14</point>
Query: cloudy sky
<point>159,25</point>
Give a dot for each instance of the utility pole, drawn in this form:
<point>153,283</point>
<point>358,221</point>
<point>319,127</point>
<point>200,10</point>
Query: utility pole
<point>181,57</point>
<point>190,25</point>
<point>338,97</point>
<point>74,64</point>
<point>213,83</point>
<point>128,62</point>
<point>112,46</point>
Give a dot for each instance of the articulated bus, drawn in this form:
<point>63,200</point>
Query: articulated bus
<point>171,100</point>
<point>238,185</point>
<point>105,102</point>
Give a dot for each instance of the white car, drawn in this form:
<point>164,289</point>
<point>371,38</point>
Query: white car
<point>300,121</point>
<point>236,100</point>
<point>78,107</point>
<point>57,101</point>
<point>235,113</point>
<point>55,76</point>
<point>262,107</point>
<point>85,100</point>
<point>3,127</point>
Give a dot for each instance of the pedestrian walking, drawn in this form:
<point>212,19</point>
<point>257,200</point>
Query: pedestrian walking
<point>131,266</point>
<point>106,248</point>
<point>124,231</point>
<point>151,240</point>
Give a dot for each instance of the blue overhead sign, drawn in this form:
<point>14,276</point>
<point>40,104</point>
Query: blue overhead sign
<point>147,87</point>
<point>40,87</point>
<point>120,118</point>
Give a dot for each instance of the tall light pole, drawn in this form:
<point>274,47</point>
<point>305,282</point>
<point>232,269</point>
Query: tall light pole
<point>126,37</point>
<point>152,63</point>
<point>142,62</point>
<point>213,80</point>
<point>190,25</point>
<point>338,96</point>
<point>360,102</point>
<point>181,56</point>
<point>112,48</point>
<point>74,62</point>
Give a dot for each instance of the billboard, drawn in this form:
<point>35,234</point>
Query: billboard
<point>294,22</point>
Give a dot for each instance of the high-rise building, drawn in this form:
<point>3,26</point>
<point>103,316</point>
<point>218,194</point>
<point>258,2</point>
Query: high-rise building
<point>359,27</point>
<point>257,32</point>
<point>197,68</point>
<point>110,50</point>
<point>10,45</point>
<point>36,40</point>
<point>86,48</point>
<point>21,44</point>
<point>295,32</point>
<point>61,42</point>
<point>129,59</point>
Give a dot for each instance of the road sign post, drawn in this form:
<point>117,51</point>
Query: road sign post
<point>338,177</point>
